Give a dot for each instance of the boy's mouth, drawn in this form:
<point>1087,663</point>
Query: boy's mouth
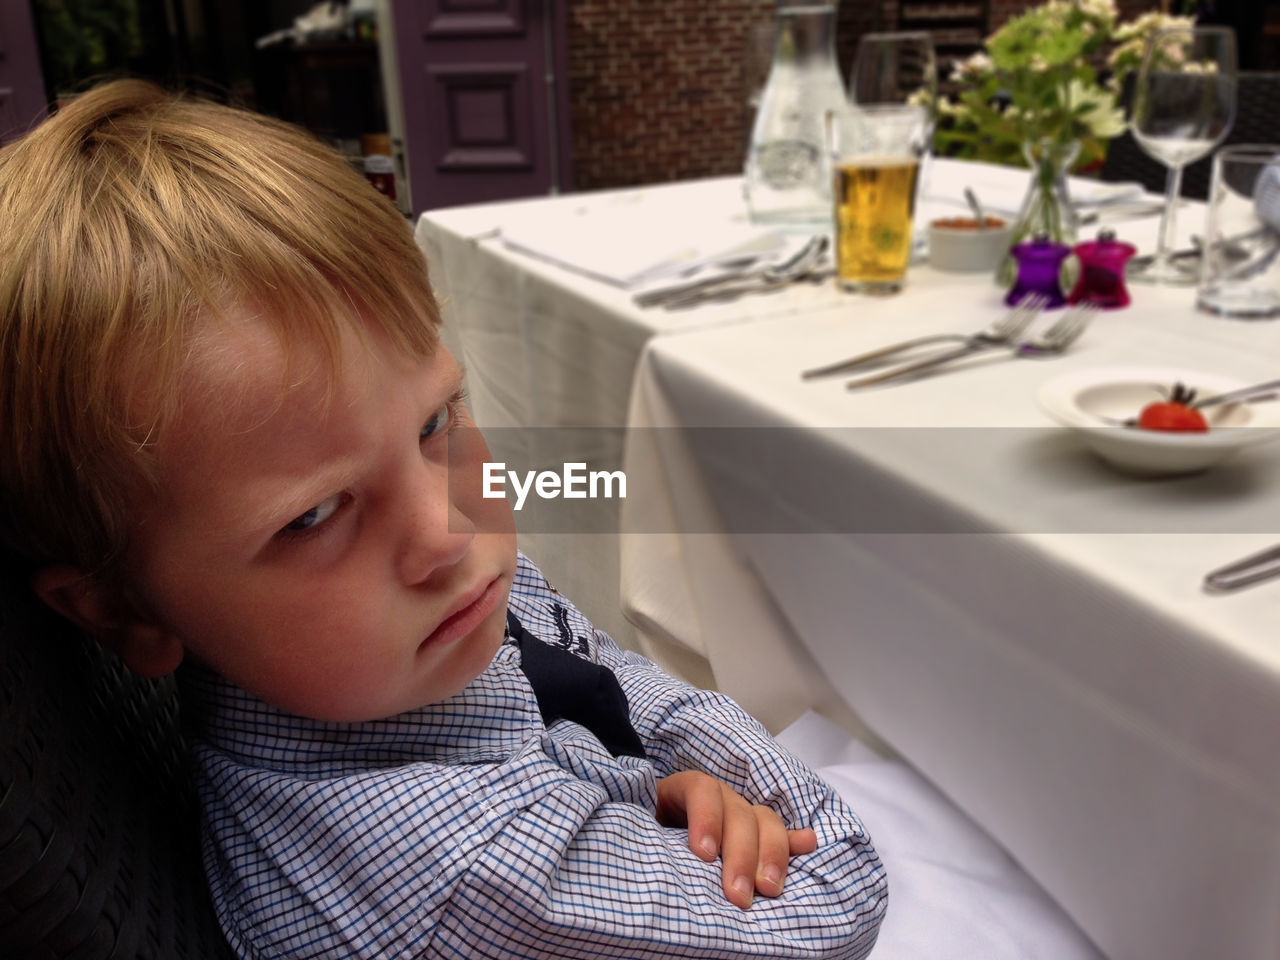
<point>474,607</point>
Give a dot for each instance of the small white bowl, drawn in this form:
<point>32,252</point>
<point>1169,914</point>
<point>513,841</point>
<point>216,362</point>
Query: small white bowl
<point>966,249</point>
<point>1093,402</point>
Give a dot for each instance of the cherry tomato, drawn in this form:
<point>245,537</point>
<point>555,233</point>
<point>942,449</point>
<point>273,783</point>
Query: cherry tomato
<point>1176,417</point>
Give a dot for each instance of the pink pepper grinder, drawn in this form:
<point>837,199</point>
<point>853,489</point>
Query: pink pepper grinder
<point>1102,265</point>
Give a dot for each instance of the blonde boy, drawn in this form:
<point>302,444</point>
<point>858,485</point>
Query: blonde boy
<point>233,442</point>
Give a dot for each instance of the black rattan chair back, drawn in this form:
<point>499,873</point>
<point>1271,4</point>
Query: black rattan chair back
<point>99,846</point>
<point>1257,121</point>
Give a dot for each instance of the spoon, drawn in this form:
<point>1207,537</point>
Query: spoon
<point>976,206</point>
<point>1256,393</point>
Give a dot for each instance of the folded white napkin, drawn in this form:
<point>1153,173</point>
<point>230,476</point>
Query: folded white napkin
<point>1001,189</point>
<point>1099,193</point>
<point>636,243</point>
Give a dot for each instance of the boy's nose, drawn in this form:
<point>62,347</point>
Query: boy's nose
<point>436,533</point>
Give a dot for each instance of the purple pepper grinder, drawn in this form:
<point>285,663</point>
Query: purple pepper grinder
<point>1039,264</point>
<point>1102,271</point>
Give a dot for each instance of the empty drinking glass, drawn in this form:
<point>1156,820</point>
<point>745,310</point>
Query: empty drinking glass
<point>1184,104</point>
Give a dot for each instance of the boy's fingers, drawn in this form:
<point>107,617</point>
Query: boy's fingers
<point>695,801</point>
<point>754,845</point>
<point>774,851</point>
<point>802,841</point>
<point>739,854</point>
<point>705,811</point>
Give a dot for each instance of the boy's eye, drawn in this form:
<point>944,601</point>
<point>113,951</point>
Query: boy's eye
<point>438,423</point>
<point>315,516</point>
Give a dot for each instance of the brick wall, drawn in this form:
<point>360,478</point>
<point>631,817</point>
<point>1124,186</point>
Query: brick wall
<point>657,89</point>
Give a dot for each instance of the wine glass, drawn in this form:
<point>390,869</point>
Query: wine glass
<point>1184,103</point>
<point>900,68</point>
<point>895,68</point>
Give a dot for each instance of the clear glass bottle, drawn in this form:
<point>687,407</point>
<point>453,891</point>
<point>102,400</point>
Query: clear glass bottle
<point>788,172</point>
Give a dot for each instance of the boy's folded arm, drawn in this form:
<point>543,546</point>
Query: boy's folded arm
<point>687,728</point>
<point>623,886</point>
<point>544,865</point>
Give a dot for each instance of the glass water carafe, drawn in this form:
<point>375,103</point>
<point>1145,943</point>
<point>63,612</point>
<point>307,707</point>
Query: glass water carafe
<point>788,172</point>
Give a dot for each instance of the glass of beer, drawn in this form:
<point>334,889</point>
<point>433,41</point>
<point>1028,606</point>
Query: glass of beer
<point>875,158</point>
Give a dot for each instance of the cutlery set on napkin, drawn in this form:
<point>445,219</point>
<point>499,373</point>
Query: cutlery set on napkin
<point>799,260</point>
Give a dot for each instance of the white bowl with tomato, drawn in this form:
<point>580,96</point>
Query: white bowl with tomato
<point>1145,420</point>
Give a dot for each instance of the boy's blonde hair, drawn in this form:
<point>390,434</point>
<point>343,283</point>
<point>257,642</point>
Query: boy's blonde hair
<point>130,220</point>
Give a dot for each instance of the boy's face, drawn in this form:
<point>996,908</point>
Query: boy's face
<point>332,555</point>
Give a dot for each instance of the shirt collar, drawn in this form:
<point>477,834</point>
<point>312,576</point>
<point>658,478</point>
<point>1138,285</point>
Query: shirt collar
<point>488,721</point>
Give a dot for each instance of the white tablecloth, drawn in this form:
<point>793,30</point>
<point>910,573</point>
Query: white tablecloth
<point>954,893</point>
<point>1023,624</point>
<point>547,347</point>
<point>1067,685</point>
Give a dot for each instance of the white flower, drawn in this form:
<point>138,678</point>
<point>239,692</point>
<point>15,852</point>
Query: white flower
<point>1101,115</point>
<point>1102,9</point>
<point>1201,67</point>
<point>947,108</point>
<point>1147,24</point>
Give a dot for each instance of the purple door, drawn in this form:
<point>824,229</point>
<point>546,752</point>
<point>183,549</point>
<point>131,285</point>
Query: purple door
<point>483,86</point>
<point>22,101</point>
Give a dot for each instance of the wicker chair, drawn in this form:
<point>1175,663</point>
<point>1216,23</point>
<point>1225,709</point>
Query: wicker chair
<point>1257,121</point>
<point>99,849</point>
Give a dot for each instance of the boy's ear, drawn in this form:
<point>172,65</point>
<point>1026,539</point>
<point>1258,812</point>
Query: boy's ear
<point>149,649</point>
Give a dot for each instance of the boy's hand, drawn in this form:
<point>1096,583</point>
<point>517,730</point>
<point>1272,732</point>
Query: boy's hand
<point>753,843</point>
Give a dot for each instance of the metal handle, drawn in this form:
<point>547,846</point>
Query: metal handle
<point>1243,394</point>
<point>893,348</point>
<point>1252,569</point>
<point>910,368</point>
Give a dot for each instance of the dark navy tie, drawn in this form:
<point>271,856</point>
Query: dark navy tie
<point>571,688</point>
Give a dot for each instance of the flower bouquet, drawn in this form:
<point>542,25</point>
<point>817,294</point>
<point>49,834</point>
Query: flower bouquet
<point>1045,93</point>
<point>1053,73</point>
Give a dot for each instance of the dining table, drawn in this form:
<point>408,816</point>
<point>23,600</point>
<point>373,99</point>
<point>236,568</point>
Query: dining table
<point>538,301</point>
<point>937,563</point>
<point>549,348</point>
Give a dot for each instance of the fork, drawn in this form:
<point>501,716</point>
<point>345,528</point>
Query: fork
<point>1065,331</point>
<point>1000,333</point>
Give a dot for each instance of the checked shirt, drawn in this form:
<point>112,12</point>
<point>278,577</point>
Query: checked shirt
<point>468,829</point>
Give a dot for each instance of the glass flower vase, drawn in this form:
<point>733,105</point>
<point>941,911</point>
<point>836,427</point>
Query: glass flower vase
<point>1046,212</point>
